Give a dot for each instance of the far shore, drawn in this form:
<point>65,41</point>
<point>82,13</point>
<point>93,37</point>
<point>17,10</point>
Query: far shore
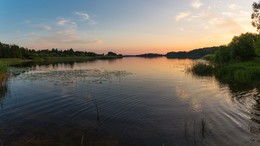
<point>17,61</point>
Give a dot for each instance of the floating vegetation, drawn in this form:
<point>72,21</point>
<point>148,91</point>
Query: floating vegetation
<point>72,76</point>
<point>15,71</point>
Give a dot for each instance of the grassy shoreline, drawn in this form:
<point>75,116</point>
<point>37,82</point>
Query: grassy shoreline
<point>13,61</point>
<point>5,62</point>
<point>243,72</point>
<point>51,59</point>
<point>247,71</point>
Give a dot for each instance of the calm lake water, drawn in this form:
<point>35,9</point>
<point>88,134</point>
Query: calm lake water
<point>126,102</point>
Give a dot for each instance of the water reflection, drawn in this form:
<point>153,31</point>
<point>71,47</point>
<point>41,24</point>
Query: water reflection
<point>133,101</point>
<point>246,96</point>
<point>54,63</point>
<point>3,87</point>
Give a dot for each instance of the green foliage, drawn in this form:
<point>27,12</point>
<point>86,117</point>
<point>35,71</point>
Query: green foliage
<point>3,67</point>
<point>111,54</point>
<point>202,69</point>
<point>14,61</point>
<point>210,57</point>
<point>14,51</point>
<point>242,47</point>
<point>257,47</point>
<point>243,72</point>
<point>194,54</point>
<point>248,71</point>
<point>223,55</point>
<point>256,15</point>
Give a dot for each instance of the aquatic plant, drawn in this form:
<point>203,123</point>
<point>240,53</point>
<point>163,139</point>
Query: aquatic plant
<point>239,72</point>
<point>195,130</point>
<point>71,76</point>
<point>203,127</point>
<point>246,71</point>
<point>3,87</point>
<point>97,110</point>
<point>202,69</point>
<point>210,57</point>
<point>3,67</point>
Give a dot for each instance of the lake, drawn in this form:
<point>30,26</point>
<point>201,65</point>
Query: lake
<point>125,102</point>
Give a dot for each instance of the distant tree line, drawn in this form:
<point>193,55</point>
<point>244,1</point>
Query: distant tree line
<point>14,51</point>
<point>243,47</point>
<point>150,55</point>
<point>194,54</point>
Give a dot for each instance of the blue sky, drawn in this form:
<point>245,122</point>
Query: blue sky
<point>123,26</point>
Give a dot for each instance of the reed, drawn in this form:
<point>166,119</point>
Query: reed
<point>244,72</point>
<point>210,57</point>
<point>202,69</point>
<point>240,72</point>
<point>3,67</point>
<point>96,105</point>
<point>82,140</point>
<point>203,127</point>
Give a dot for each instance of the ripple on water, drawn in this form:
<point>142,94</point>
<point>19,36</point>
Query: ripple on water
<point>162,106</point>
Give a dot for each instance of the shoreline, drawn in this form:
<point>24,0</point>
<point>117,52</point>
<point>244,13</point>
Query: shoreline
<point>242,72</point>
<point>16,61</point>
<point>6,62</point>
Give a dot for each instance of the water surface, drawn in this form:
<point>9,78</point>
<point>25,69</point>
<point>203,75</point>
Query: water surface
<point>128,102</point>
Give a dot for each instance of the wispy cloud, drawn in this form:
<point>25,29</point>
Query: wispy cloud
<point>65,33</point>
<point>32,34</point>
<point>46,27</point>
<point>68,31</point>
<point>196,4</point>
<point>85,17</point>
<point>233,7</point>
<point>62,38</point>
<point>94,41</point>
<point>62,21</point>
<point>182,15</point>
<point>221,20</point>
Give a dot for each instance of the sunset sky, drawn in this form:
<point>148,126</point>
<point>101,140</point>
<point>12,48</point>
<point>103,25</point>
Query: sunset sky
<point>123,26</point>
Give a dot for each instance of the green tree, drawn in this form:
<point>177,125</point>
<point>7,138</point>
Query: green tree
<point>257,47</point>
<point>256,15</point>
<point>223,55</point>
<point>242,47</point>
<point>15,51</point>
<point>111,54</point>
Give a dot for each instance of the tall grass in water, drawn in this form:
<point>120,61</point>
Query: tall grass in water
<point>210,57</point>
<point>195,131</point>
<point>3,67</point>
<point>244,72</point>
<point>97,110</point>
<point>240,72</point>
<point>202,69</point>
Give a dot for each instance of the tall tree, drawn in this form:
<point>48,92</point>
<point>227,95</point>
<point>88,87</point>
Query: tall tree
<point>256,15</point>
<point>243,46</point>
